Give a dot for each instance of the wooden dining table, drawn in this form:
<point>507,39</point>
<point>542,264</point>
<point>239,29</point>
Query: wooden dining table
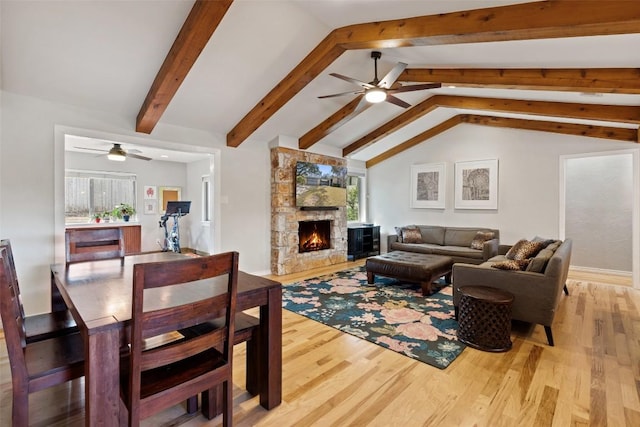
<point>99,295</point>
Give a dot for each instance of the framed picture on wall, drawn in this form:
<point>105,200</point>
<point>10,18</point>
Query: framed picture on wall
<point>150,207</point>
<point>476,184</point>
<point>168,194</point>
<point>428,185</point>
<point>150,192</point>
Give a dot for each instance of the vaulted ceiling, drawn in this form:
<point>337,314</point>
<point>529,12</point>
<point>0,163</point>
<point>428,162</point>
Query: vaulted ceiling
<point>253,70</point>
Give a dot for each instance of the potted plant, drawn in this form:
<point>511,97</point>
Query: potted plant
<point>124,211</point>
<point>97,217</point>
<point>106,216</point>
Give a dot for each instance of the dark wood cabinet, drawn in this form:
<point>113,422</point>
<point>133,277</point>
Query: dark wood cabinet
<point>363,241</point>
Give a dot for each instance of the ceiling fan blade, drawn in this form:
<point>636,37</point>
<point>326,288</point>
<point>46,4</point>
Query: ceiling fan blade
<point>392,75</point>
<point>92,149</point>
<point>135,156</point>
<point>409,88</point>
<point>362,105</point>
<point>397,101</point>
<point>357,92</point>
<point>352,80</point>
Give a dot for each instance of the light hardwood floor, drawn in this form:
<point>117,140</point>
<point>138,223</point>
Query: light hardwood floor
<point>591,377</point>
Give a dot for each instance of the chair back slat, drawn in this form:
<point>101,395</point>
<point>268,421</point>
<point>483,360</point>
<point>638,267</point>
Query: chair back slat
<point>157,275</point>
<point>12,320</point>
<point>194,360</point>
<point>155,322</point>
<point>179,350</point>
<point>6,243</point>
<point>94,244</point>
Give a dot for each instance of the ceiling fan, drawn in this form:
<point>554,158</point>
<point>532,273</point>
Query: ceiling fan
<point>117,153</point>
<point>383,90</point>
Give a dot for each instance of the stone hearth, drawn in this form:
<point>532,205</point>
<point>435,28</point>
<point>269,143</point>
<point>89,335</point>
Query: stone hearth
<point>285,216</point>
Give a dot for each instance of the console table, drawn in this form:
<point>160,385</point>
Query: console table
<point>363,241</point>
<point>132,234</point>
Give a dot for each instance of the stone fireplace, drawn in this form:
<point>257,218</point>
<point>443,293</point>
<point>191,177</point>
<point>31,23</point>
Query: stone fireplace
<point>289,224</point>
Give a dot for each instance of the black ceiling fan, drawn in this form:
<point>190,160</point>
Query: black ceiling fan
<point>383,90</point>
<point>118,153</point>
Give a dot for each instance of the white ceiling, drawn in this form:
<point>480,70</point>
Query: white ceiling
<point>104,55</point>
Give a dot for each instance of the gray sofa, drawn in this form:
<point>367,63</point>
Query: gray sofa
<point>454,242</point>
<point>537,293</point>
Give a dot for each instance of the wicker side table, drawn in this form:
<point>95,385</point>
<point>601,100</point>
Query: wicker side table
<point>485,318</point>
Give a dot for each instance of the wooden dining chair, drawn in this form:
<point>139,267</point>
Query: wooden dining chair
<point>94,244</point>
<point>41,326</point>
<point>246,330</point>
<point>35,365</point>
<point>165,375</point>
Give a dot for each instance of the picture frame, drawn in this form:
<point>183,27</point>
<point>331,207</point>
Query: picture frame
<point>168,194</point>
<point>428,184</point>
<point>150,207</point>
<point>476,184</point>
<point>150,192</point>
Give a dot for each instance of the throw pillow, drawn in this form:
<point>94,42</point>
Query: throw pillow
<point>511,264</point>
<point>411,235</point>
<point>399,233</point>
<point>481,237</point>
<point>524,249</point>
<point>545,242</point>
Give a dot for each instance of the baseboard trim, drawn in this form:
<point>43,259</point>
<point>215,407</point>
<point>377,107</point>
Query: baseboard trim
<point>618,273</point>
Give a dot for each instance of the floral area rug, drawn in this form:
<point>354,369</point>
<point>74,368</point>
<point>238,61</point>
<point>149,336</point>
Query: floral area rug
<point>390,313</point>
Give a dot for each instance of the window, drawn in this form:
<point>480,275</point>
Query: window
<point>88,193</point>
<point>206,198</point>
<point>355,197</point>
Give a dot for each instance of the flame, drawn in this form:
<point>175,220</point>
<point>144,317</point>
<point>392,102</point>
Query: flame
<point>314,242</point>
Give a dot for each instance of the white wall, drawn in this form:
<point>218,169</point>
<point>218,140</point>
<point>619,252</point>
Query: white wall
<point>27,185</point>
<point>528,163</point>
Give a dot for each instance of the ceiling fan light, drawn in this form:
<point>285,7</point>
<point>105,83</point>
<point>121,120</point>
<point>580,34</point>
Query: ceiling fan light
<point>116,157</point>
<point>117,154</point>
<point>375,95</point>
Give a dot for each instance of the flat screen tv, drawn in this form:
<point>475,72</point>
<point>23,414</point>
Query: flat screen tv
<point>320,186</point>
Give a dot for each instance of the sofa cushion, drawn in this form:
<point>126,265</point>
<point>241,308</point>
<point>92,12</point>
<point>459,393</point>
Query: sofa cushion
<point>432,234</point>
<point>524,249</point>
<point>480,238</point>
<point>511,264</point>
<point>538,263</point>
<point>459,236</point>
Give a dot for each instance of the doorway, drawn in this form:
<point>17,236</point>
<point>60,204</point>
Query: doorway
<point>599,200</point>
<point>184,163</point>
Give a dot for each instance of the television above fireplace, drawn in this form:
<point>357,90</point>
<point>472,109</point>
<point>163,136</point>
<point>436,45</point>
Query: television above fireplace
<point>320,186</point>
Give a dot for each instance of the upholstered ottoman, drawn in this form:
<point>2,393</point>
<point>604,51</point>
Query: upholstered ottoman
<point>410,266</point>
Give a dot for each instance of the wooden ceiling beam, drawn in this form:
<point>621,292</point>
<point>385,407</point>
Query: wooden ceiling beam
<point>418,139</point>
<point>605,132</point>
<point>204,18</point>
<point>590,131</point>
<point>310,67</point>
<point>537,20</point>
<point>600,112</point>
<point>597,80</point>
<point>337,119</point>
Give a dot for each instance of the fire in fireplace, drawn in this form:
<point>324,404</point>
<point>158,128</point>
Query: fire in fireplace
<point>314,235</point>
